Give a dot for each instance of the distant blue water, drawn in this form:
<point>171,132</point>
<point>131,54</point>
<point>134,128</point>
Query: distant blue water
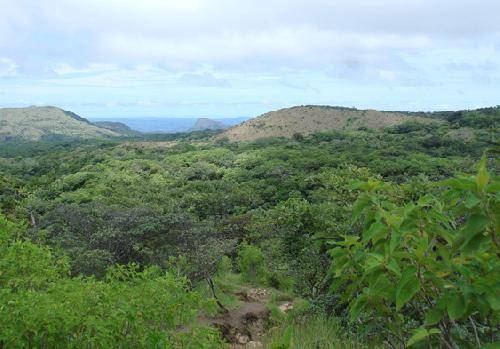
<point>165,124</point>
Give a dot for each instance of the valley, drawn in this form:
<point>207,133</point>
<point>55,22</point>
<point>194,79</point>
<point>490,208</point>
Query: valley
<point>255,236</point>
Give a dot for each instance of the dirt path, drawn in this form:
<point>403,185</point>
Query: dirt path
<point>244,326</point>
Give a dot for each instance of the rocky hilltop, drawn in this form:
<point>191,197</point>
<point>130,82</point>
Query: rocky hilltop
<point>207,124</point>
<point>311,119</point>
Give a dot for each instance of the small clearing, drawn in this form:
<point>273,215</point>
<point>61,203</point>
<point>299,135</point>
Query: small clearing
<point>244,326</point>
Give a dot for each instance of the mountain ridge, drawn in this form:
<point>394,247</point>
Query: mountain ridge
<point>47,122</point>
<point>118,127</point>
<point>308,119</point>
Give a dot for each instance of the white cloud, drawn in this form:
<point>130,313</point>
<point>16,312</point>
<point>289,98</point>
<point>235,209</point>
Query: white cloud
<point>7,67</point>
<point>259,33</point>
<point>204,79</point>
<point>388,75</point>
<point>91,68</point>
<point>289,51</point>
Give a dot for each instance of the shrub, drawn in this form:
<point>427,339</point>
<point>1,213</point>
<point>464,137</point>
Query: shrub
<point>42,307</point>
<point>427,271</point>
<point>225,266</point>
<point>251,263</point>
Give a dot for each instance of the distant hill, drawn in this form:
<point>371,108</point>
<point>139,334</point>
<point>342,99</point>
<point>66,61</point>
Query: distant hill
<point>164,124</point>
<point>311,119</point>
<point>207,124</point>
<point>45,123</point>
<point>117,127</point>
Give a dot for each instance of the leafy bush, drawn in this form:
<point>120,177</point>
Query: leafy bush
<point>251,263</point>
<point>41,307</point>
<point>428,270</point>
<point>225,266</point>
<point>24,265</point>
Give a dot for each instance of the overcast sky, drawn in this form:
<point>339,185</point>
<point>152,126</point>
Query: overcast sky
<point>222,58</point>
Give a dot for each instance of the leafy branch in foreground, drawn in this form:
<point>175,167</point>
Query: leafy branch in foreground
<point>428,271</point>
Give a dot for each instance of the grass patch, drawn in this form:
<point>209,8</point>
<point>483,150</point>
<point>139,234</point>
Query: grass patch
<point>311,333</point>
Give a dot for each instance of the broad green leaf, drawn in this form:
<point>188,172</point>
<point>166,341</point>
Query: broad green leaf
<point>475,243</point>
<point>456,306</point>
<point>460,183</point>
<point>374,259</point>
<point>337,252</point>
<point>493,187</point>
<point>446,235</point>
<point>422,244</point>
<point>357,307</point>
<point>483,176</point>
<point>482,305</point>
<point>409,209</point>
<point>395,240</point>
<point>493,300</point>
<point>475,225</point>
<point>426,200</point>
<point>418,335</point>
<point>407,287</point>
<point>382,287</point>
<point>374,230</point>
<point>349,240</point>
<point>360,205</point>
<point>471,201</point>
<point>393,266</point>
<point>433,316</point>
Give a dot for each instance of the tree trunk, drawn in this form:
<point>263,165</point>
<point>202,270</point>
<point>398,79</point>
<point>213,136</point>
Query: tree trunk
<point>212,288</point>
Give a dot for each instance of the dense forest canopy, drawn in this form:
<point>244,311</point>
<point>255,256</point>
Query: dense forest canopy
<point>389,236</point>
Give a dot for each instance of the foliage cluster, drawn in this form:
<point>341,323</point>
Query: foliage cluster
<point>42,307</point>
<point>430,266</point>
<point>414,266</point>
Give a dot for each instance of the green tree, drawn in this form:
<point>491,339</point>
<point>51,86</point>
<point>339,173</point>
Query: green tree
<point>251,262</point>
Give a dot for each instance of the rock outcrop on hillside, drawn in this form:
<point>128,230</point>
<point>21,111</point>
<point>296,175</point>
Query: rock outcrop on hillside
<point>207,124</point>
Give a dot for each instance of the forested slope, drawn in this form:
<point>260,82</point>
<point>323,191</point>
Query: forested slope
<point>389,236</point>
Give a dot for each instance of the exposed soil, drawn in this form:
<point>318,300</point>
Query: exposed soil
<point>244,326</point>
